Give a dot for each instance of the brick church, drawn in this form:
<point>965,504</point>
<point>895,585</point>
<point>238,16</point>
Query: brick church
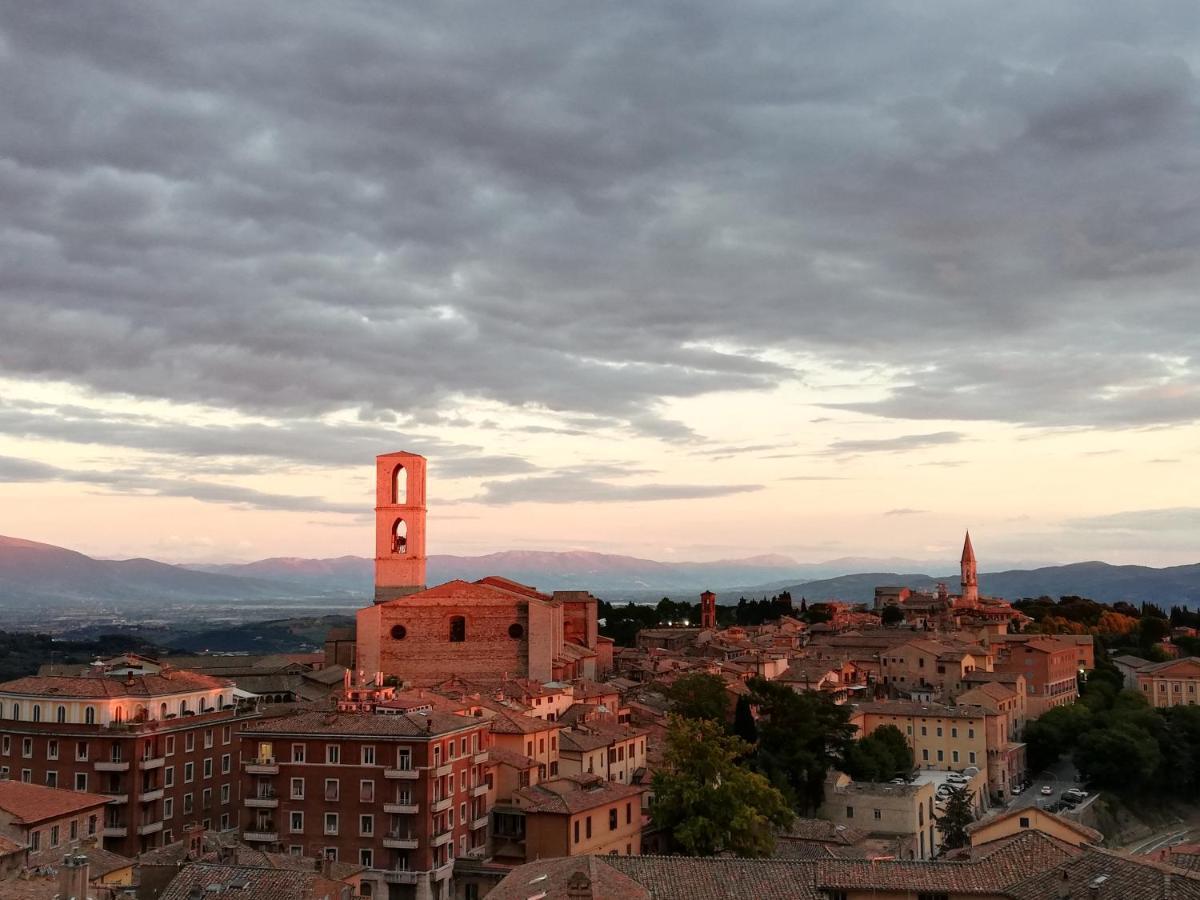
<point>485,630</point>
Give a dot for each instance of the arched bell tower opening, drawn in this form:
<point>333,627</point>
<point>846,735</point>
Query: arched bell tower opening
<point>399,525</point>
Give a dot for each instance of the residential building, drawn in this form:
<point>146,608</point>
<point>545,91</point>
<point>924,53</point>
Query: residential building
<point>903,813</point>
<point>49,820</point>
<point>1014,821</point>
<point>1172,683</point>
<point>1050,668</point>
<point>613,752</point>
<point>570,816</point>
<point>950,738</point>
<point>403,794</point>
<point>162,746</point>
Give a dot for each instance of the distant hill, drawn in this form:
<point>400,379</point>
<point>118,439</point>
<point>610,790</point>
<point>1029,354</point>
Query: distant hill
<point>1096,580</point>
<point>33,573</point>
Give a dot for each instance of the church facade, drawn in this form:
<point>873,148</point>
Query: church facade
<point>485,630</point>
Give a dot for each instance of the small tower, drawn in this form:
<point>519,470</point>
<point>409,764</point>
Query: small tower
<point>399,525</point>
<point>708,610</point>
<point>969,595</point>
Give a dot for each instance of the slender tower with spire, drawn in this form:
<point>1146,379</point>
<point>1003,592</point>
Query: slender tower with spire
<point>969,595</point>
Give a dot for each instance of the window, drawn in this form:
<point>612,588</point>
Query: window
<point>587,826</point>
<point>187,804</point>
<point>227,734</point>
<point>6,745</point>
<point>189,772</point>
<point>939,731</point>
<point>1024,821</point>
<point>368,755</point>
<point>37,712</point>
<point>333,754</point>
<point>331,789</point>
<point>208,738</point>
<point>168,807</point>
<point>296,822</point>
<point>366,826</point>
<point>954,755</point>
<point>51,779</point>
<point>206,798</point>
<point>189,742</point>
<point>458,629</point>
<point>61,715</point>
<point>208,768</point>
<point>878,814</point>
<point>612,820</point>
<point>577,831</point>
<point>27,747</point>
<point>51,749</point>
<point>971,757</point>
<point>169,776</point>
<point>365,859</point>
<point>81,750</point>
<point>849,812</point>
<point>954,732</point>
<point>628,813</point>
<point>297,788</point>
<point>924,731</point>
<point>81,781</point>
<point>331,823</point>
<point>170,745</point>
<point>971,733</point>
<point>404,759</point>
<point>366,791</point>
<point>89,716</point>
<point>35,842</point>
<point>226,764</point>
<point>941,756</point>
<point>297,753</point>
<point>224,794</point>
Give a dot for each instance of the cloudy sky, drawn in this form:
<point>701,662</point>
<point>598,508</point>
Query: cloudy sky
<point>686,280</point>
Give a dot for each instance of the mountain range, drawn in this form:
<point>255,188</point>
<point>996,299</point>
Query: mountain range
<point>36,575</point>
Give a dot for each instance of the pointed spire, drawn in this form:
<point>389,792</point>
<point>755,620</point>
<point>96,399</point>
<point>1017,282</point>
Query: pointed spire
<point>968,551</point>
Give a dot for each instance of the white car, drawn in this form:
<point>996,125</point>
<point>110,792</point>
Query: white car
<point>1047,790</point>
<point>957,778</point>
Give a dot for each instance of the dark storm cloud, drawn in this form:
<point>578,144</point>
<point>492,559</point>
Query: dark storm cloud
<point>15,471</point>
<point>288,208</point>
<point>577,487</point>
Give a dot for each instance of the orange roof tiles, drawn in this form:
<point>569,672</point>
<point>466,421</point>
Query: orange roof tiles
<point>33,803</point>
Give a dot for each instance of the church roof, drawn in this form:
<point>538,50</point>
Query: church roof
<point>968,554</point>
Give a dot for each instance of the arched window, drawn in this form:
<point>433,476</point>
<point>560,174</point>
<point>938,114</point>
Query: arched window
<point>400,537</point>
<point>37,712</point>
<point>61,715</point>
<point>220,701</point>
<point>400,486</point>
<point>182,707</point>
<point>89,716</point>
<point>458,629</point>
<point>17,711</point>
<point>118,714</point>
<point>162,711</point>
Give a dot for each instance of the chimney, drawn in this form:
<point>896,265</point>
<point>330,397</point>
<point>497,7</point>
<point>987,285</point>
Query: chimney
<point>73,877</point>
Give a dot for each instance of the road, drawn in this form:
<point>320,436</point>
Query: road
<point>1059,777</point>
<point>1169,838</point>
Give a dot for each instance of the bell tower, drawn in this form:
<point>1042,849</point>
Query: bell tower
<point>708,610</point>
<point>969,594</point>
<point>399,525</point>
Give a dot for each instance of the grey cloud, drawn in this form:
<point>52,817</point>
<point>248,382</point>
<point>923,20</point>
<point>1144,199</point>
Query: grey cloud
<point>572,487</point>
<point>288,212</point>
<point>16,470</point>
<point>900,444</point>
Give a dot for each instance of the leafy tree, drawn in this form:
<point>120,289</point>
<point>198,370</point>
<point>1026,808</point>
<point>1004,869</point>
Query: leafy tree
<point>700,696</point>
<point>1054,733</point>
<point>1151,631</point>
<point>744,725</point>
<point>954,821</point>
<point>707,802</point>
<point>880,756</point>
<point>1123,756</point>
<point>818,613</point>
<point>891,615</point>
<point>800,736</point>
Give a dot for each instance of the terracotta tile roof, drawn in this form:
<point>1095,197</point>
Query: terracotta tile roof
<point>261,884</point>
<point>1090,835</point>
<point>823,830</point>
<point>178,681</point>
<point>407,725</point>
<point>720,878</point>
<point>100,862</point>
<point>927,710</point>
<point>506,722</point>
<point>9,847</point>
<point>572,794</point>
<point>248,856</point>
<point>35,888</point>
<point>1105,875</point>
<point>33,803</point>
<point>568,877</point>
<point>511,758</point>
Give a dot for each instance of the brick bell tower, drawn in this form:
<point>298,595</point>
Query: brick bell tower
<point>969,588</point>
<point>399,525</point>
<point>708,610</point>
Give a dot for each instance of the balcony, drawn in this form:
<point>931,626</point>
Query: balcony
<point>397,876</point>
<point>153,762</point>
<point>447,769</point>
<point>264,765</point>
<point>150,828</point>
<point>261,833</point>
<point>400,841</point>
<point>440,840</point>
<point>264,800</point>
<point>116,798</point>
<point>406,774</point>
<point>443,805</point>
<point>112,765</point>
<point>151,795</point>
<point>480,757</point>
<point>115,831</point>
<point>442,872</point>
<point>479,790</point>
<point>402,809</point>
<point>481,822</point>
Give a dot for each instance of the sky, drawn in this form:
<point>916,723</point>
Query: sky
<point>688,281</point>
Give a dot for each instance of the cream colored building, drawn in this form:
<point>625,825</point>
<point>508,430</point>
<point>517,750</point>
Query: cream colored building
<point>1172,683</point>
<point>903,813</point>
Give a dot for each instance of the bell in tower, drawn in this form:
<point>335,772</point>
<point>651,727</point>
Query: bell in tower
<point>399,525</point>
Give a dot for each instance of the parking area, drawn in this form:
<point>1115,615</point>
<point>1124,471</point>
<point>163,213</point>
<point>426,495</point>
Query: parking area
<point>1056,789</point>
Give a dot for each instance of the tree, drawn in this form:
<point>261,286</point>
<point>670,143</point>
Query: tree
<point>700,696</point>
<point>1123,757</point>
<point>954,821</point>
<point>744,725</point>
<point>707,802</point>
<point>1054,733</point>
<point>880,756</point>
<point>891,615</point>
<point>800,736</point>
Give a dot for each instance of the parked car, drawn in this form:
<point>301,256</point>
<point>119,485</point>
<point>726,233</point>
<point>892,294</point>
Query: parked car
<point>1075,795</point>
<point>1047,790</point>
<point>1017,789</point>
<point>957,778</point>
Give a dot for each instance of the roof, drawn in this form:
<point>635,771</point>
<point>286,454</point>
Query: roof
<point>9,847</point>
<point>567,795</point>
<point>1088,835</point>
<point>1105,875</point>
<point>406,725</point>
<point>511,758</point>
<point>719,878</point>
<point>824,831</point>
<point>505,722</point>
<point>259,883</point>
<point>1190,663</point>
<point>927,710</point>
<point>32,803</point>
<point>571,876</point>
<point>169,681</point>
<point>100,862</point>
<point>248,856</point>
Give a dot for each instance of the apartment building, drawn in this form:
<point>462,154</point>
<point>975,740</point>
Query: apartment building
<point>1172,683</point>
<point>48,820</point>
<point>527,736</point>
<point>902,813</point>
<point>950,738</point>
<point>401,794</point>
<point>933,667</point>
<point>572,816</point>
<point>613,752</point>
<point>1050,668</point>
<point>160,746</point>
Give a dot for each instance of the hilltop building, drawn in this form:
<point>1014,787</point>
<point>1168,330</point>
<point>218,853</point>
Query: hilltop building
<point>491,629</point>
